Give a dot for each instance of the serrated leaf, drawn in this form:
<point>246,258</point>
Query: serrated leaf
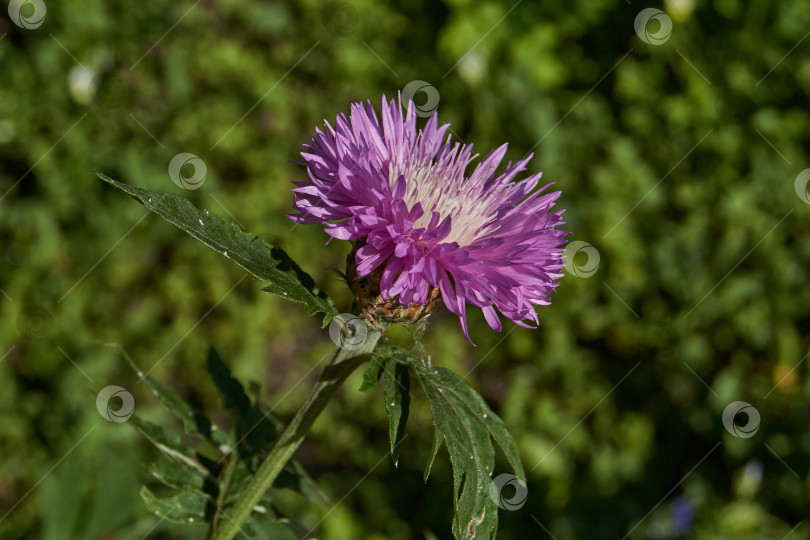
<point>397,402</point>
<point>194,423</point>
<point>164,439</point>
<point>184,507</point>
<point>266,262</point>
<point>170,444</point>
<point>197,480</point>
<point>255,430</point>
<point>464,423</point>
<point>497,429</point>
<point>179,475</point>
<point>230,390</point>
<point>371,376</point>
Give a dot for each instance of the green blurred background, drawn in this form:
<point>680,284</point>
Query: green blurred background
<point>698,298</point>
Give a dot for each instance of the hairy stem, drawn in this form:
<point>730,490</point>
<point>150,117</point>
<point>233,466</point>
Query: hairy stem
<point>342,363</point>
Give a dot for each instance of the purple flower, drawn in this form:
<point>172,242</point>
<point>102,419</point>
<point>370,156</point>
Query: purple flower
<point>421,225</point>
<point>682,515</point>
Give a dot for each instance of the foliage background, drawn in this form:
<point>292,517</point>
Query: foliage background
<point>700,297</point>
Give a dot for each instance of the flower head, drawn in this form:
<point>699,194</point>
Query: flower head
<point>422,227</point>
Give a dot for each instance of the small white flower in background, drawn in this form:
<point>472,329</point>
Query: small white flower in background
<point>83,84</point>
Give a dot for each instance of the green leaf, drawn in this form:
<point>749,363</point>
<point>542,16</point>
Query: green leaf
<point>179,474</point>
<point>371,376</point>
<point>255,429</point>
<point>296,478</point>
<point>293,477</point>
<point>166,440</point>
<point>194,423</point>
<point>434,450</point>
<point>465,425</point>
<point>181,463</point>
<point>184,507</point>
<point>265,262</point>
<point>397,401</point>
<point>200,483</point>
<point>230,390</point>
<point>260,527</point>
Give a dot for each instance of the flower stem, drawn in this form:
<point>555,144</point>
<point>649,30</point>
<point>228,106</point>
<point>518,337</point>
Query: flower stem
<point>342,363</point>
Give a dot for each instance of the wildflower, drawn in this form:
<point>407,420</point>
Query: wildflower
<point>424,229</point>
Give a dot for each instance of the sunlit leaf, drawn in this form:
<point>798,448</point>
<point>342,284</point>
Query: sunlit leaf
<point>266,262</point>
<point>465,425</point>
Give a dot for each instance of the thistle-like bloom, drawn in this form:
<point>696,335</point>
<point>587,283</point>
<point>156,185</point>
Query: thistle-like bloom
<point>421,225</point>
